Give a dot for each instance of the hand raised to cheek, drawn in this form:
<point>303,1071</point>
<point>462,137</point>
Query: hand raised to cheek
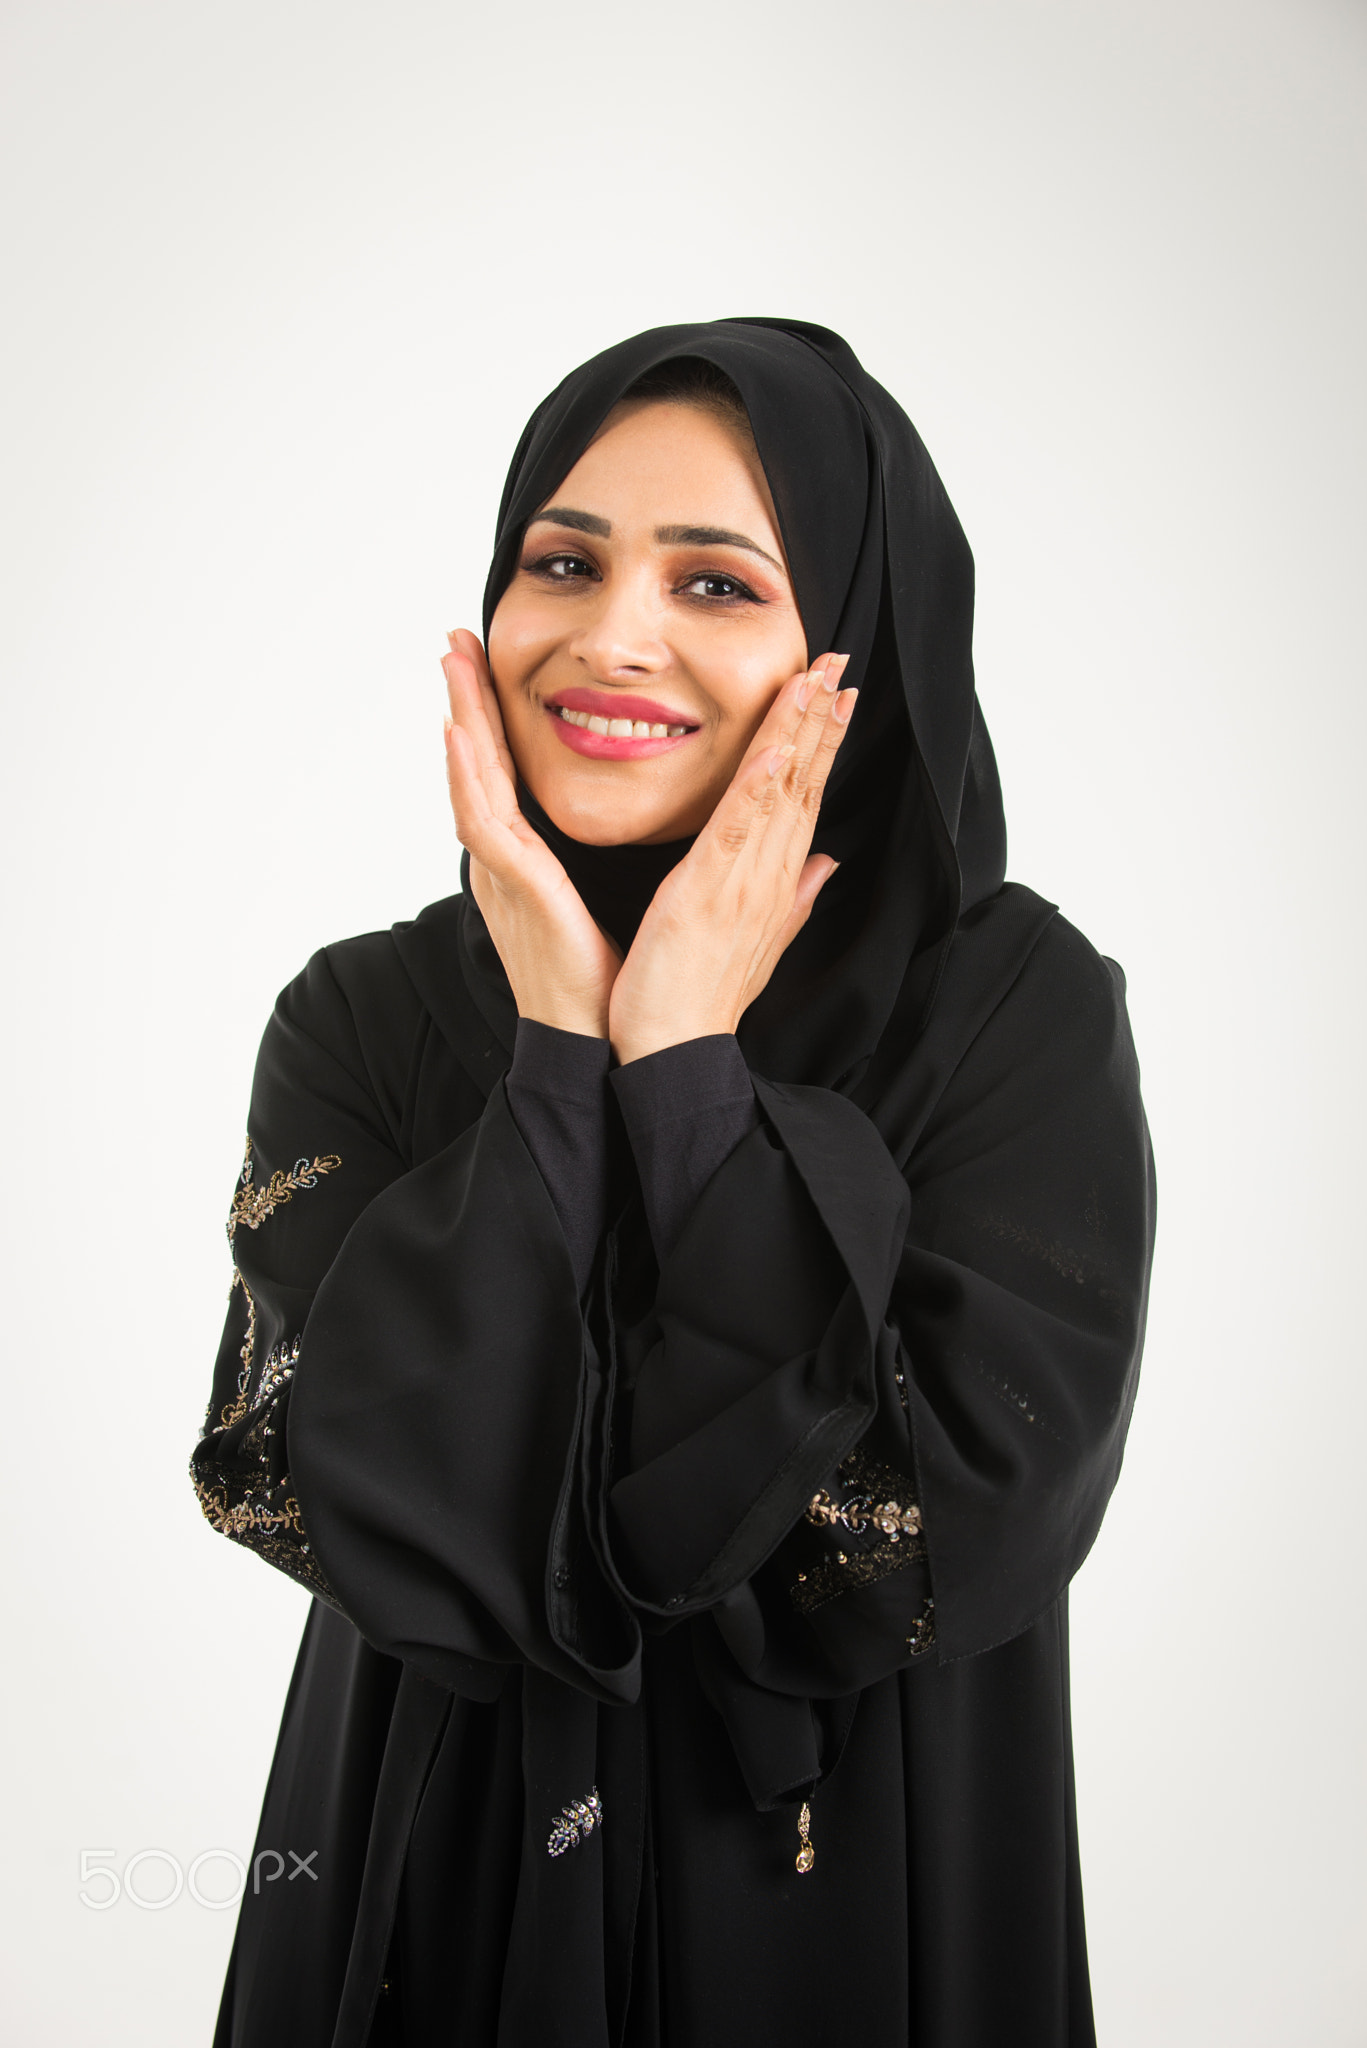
<point>560,964</point>
<point>721,920</point>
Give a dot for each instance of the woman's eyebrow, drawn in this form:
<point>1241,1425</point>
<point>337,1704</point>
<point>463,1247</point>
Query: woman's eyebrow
<point>582,522</point>
<point>668,536</point>
<point>711,537</point>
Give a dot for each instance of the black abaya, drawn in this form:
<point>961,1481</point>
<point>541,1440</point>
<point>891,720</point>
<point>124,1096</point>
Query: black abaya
<point>658,1472</point>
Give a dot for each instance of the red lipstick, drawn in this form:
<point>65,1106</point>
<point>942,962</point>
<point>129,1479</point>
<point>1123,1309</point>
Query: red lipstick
<point>618,704</point>
<point>615,705</point>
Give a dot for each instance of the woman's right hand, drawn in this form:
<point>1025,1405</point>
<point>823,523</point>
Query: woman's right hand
<point>559,962</point>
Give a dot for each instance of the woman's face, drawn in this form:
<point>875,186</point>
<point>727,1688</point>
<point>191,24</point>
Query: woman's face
<point>651,597</point>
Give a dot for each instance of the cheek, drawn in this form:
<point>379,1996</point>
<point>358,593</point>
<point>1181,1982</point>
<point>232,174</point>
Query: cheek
<point>746,682</point>
<point>515,649</point>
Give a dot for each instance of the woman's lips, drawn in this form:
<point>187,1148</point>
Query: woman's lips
<point>616,704</point>
<point>607,746</point>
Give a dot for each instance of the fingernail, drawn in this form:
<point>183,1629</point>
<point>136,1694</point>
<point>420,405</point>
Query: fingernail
<point>451,638</point>
<point>843,708</point>
<point>777,757</point>
<point>447,723</point>
<point>830,675</point>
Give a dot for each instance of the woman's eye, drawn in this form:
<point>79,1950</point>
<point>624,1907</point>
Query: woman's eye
<point>560,568</point>
<point>725,588</point>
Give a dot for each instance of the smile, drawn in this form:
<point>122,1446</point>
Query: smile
<point>615,739</point>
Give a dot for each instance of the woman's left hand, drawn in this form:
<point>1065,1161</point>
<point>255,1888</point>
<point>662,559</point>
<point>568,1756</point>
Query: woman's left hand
<point>721,919</point>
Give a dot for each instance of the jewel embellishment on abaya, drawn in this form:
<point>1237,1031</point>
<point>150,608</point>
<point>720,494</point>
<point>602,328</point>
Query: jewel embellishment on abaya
<point>575,1823</point>
<point>252,1205</point>
<point>806,1855</point>
<point>873,1506</point>
<point>922,1630</point>
<point>242,1492</point>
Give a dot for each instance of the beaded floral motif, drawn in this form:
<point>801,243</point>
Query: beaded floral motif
<point>575,1823</point>
<point>238,1505</point>
<point>244,1494</point>
<point>922,1629</point>
<point>873,1507</point>
<point>861,1510</point>
<point>281,1360</point>
<point>252,1204</point>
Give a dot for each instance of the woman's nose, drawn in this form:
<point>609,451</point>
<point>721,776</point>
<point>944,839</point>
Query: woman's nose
<point>623,636</point>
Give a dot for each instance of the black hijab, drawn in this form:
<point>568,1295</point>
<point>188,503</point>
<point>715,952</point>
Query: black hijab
<point>882,572</point>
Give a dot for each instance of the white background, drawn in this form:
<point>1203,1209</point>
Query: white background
<point>283,281</point>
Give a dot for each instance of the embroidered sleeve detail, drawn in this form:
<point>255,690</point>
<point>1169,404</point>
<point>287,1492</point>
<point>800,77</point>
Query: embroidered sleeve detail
<point>247,1508</point>
<point>253,1204</point>
<point>876,1526</point>
<point>922,1629</point>
<point>238,1469</point>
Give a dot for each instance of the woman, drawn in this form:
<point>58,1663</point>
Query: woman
<point>689,1290</point>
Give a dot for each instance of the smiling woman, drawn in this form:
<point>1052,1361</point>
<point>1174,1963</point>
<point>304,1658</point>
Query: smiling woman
<point>689,1288</point>
<point>686,625</point>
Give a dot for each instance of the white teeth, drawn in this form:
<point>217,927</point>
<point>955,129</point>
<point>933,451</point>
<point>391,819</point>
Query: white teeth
<point>619,728</point>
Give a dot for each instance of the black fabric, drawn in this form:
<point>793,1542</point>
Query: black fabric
<point>614,1531</point>
<point>685,1109</point>
<point>556,1085</point>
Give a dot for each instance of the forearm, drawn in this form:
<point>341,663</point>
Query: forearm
<point>686,1108</point>
<point>557,1093</point>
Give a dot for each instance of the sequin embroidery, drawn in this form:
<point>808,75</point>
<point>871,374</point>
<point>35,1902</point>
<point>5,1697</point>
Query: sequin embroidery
<point>575,1823</point>
<point>922,1630</point>
<point>243,1491</point>
<point>875,1511</point>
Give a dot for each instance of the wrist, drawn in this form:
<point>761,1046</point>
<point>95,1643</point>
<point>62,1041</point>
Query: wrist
<point>588,1023</point>
<point>640,1044</point>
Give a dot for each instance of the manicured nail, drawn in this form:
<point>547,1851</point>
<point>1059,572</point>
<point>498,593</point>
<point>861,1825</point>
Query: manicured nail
<point>843,708</point>
<point>447,725</point>
<point>777,757</point>
<point>835,669</point>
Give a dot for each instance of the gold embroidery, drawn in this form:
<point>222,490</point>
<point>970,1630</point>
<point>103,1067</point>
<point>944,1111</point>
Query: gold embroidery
<point>235,1410</point>
<point>238,1506</point>
<point>252,1205</point>
<point>237,1492</point>
<point>892,1517</point>
<point>876,1509</point>
<point>806,1855</point>
<point>922,1629</point>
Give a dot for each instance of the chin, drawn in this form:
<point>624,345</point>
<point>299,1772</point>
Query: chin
<point>609,823</point>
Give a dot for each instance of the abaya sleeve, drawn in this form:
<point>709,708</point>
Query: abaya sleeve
<point>861,1382</point>
<point>556,1087</point>
<point>397,1406</point>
